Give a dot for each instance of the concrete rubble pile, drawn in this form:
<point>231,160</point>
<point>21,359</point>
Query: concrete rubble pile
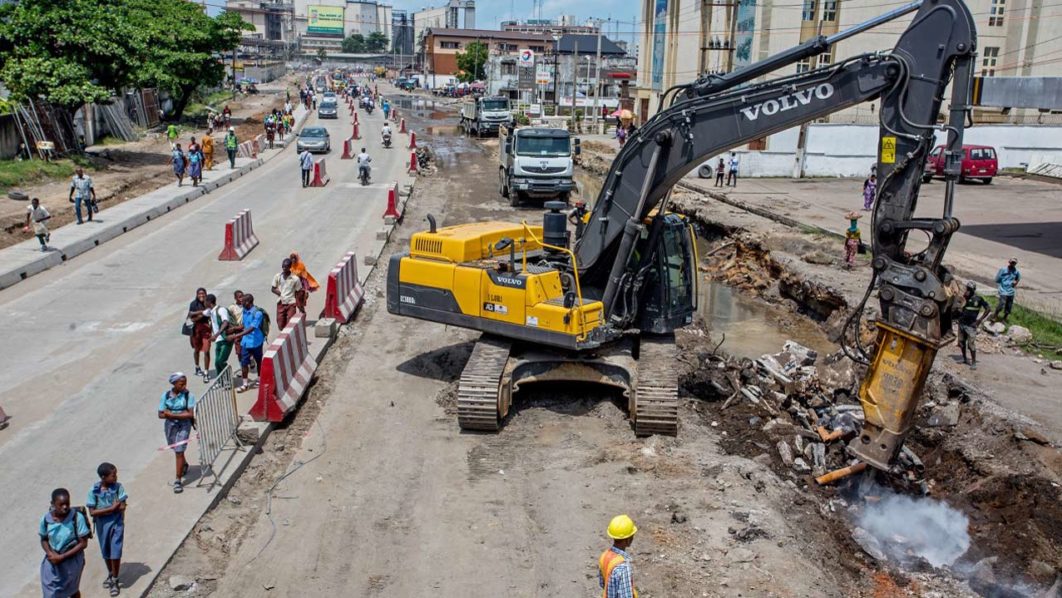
<point>795,397</point>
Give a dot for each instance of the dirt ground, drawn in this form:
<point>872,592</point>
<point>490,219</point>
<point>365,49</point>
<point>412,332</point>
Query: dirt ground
<point>133,168</point>
<point>371,489</point>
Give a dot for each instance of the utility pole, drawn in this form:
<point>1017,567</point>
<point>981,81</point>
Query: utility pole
<point>575,75</point>
<point>597,77</point>
<point>234,73</point>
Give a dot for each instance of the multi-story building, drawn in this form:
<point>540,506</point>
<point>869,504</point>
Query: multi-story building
<point>441,46</point>
<point>274,26</point>
<point>402,33</point>
<point>561,26</point>
<point>578,73</point>
<point>455,14</point>
<point>323,24</point>
<point>683,39</point>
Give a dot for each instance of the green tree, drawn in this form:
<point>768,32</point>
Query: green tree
<point>472,62</point>
<point>355,44</point>
<point>321,54</point>
<point>185,46</point>
<point>376,42</point>
<point>69,52</point>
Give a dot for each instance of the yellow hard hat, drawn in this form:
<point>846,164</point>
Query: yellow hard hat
<point>621,527</point>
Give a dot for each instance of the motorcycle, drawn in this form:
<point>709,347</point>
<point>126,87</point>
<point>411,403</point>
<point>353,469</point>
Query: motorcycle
<point>368,108</point>
<point>387,140</point>
<point>363,175</point>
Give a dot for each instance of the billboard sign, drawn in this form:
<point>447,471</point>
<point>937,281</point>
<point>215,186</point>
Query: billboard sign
<point>743,31</point>
<point>324,20</point>
<point>526,58</point>
<point>659,39</point>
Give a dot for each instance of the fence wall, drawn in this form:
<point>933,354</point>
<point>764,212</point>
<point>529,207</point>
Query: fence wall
<point>216,421</point>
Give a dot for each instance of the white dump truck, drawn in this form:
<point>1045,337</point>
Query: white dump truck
<point>536,163</point>
<point>485,115</point>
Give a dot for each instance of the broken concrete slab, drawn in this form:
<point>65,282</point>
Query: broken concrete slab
<point>945,416</point>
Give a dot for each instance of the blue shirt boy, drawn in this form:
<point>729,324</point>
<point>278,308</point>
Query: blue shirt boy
<point>1007,278</point>
<point>252,320</point>
<point>102,498</point>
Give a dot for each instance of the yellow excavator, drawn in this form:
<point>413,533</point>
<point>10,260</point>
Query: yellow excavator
<point>603,308</point>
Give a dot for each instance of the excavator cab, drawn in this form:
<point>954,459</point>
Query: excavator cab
<point>668,299</point>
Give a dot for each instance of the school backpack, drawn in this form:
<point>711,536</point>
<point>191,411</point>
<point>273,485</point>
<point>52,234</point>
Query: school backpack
<point>265,323</point>
<point>88,522</point>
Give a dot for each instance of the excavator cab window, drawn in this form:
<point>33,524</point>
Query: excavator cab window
<point>670,282</point>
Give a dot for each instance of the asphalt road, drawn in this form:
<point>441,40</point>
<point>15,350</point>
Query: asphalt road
<point>88,345</point>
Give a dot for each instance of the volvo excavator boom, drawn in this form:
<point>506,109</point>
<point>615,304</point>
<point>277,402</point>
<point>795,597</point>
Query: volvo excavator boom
<point>632,269</point>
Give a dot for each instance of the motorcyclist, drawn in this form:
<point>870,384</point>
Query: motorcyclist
<point>363,164</point>
<point>385,134</point>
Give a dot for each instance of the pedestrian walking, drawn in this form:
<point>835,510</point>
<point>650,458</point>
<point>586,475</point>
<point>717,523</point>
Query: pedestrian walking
<point>106,504</point>
<point>306,164</point>
<point>180,163</point>
<point>1007,280</point>
<point>236,322</point>
<point>220,324</point>
<point>208,150</point>
<point>64,533</point>
<point>870,188</point>
<point>973,312</point>
<point>286,286</point>
<point>231,145</point>
<point>732,170</point>
<point>177,408</point>
<point>212,120</point>
<point>197,328</point>
<point>38,216</point>
<point>614,566</point>
<point>172,133</point>
<point>253,336</point>
<point>720,172</point>
<point>195,163</point>
<point>309,283</point>
<point>82,192</point>
<point>621,135</point>
<point>852,238</point>
<point>226,113</point>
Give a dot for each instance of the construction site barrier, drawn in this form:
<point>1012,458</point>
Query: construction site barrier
<point>320,174</point>
<point>394,115</point>
<point>412,162</point>
<point>355,118</point>
<point>216,422</point>
<point>412,140</point>
<point>348,150</point>
<point>345,292</point>
<point>287,368</point>
<point>402,126</point>
<point>392,203</point>
<point>257,145</point>
<point>355,133</point>
<point>239,237</point>
<point>243,150</point>
<point>352,110</point>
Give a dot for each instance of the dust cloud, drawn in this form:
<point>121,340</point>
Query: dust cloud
<point>908,528</point>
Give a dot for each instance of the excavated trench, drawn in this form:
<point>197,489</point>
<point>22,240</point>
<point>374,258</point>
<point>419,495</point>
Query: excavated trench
<point>1003,476</point>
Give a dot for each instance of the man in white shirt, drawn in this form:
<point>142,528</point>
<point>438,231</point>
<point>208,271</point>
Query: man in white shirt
<point>220,323</point>
<point>306,162</point>
<point>363,163</point>
<point>732,170</point>
<point>385,132</point>
<point>38,216</point>
<point>82,191</point>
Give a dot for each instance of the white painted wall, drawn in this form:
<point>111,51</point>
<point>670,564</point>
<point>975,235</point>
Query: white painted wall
<point>850,150</point>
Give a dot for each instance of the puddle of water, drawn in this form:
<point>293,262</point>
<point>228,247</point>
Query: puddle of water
<point>753,328</point>
<point>446,130</point>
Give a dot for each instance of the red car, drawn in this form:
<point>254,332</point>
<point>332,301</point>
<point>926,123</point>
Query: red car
<point>978,162</point>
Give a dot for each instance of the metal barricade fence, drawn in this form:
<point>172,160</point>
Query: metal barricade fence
<point>216,419</point>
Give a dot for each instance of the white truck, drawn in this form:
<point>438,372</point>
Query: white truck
<point>536,163</point>
<point>486,115</point>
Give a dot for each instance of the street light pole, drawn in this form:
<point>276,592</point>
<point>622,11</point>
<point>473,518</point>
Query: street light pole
<point>597,77</point>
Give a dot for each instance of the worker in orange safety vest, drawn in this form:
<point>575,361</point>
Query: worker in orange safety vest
<point>614,565</point>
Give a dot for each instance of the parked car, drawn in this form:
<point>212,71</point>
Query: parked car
<point>978,162</point>
<point>314,139</point>
<point>328,108</point>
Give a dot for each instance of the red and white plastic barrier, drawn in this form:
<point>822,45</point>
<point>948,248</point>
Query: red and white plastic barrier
<point>402,126</point>
<point>412,162</point>
<point>287,368</point>
<point>348,150</point>
<point>394,114</point>
<point>412,140</point>
<point>239,238</point>
<point>392,203</point>
<point>345,292</point>
<point>355,118</point>
<point>355,133</point>
<point>320,174</point>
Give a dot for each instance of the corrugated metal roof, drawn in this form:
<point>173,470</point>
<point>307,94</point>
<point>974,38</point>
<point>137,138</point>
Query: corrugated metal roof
<point>588,45</point>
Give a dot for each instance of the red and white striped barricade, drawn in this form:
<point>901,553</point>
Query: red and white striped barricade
<point>412,162</point>
<point>392,211</point>
<point>344,293</point>
<point>287,368</point>
<point>412,139</point>
<point>355,133</point>
<point>348,150</point>
<point>402,126</point>
<point>256,145</point>
<point>320,174</point>
<point>239,238</point>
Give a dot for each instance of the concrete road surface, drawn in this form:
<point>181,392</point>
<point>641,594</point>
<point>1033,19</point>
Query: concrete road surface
<point>88,347</point>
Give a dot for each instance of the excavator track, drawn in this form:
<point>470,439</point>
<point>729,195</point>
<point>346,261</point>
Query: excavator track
<point>479,389</point>
<point>656,397</point>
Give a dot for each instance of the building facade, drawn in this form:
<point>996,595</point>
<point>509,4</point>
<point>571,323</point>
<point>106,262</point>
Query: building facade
<point>441,46</point>
<point>274,26</point>
<point>560,26</point>
<point>683,39</point>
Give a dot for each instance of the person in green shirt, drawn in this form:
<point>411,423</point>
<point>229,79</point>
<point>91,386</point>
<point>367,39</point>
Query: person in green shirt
<point>231,144</point>
<point>171,133</point>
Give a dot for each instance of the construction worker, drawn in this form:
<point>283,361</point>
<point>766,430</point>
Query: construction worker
<point>231,145</point>
<point>614,565</point>
<point>579,216</point>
